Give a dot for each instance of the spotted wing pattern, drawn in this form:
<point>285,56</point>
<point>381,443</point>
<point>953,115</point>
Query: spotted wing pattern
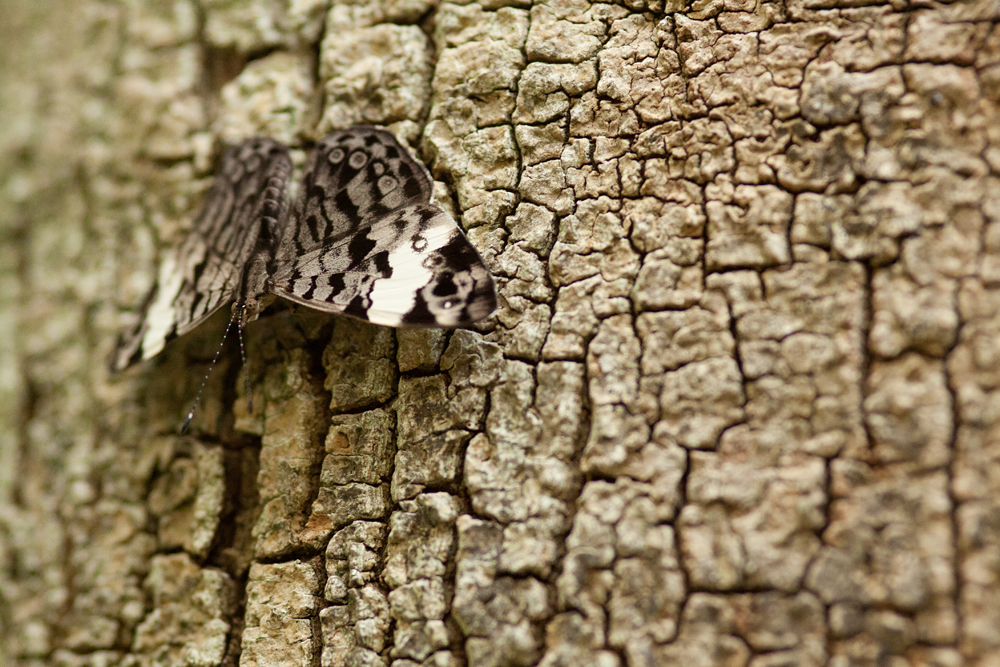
<point>364,240</point>
<point>241,217</point>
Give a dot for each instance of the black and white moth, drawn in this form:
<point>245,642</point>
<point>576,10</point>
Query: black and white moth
<point>363,239</point>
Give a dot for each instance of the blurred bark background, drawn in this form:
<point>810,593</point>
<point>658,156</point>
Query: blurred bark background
<point>740,404</point>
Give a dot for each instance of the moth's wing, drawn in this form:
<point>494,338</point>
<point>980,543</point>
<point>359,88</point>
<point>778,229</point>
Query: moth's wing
<point>411,267</point>
<point>352,179</point>
<point>364,240</point>
<point>202,274</point>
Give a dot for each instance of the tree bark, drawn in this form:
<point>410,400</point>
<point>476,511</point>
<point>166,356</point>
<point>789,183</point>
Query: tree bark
<point>740,403</point>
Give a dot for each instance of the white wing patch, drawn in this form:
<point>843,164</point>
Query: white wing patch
<point>393,297</point>
<point>160,317</point>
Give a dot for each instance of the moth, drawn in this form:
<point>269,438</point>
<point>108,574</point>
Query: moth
<point>362,239</point>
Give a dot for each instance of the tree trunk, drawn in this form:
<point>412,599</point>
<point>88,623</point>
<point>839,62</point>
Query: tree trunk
<point>740,402</point>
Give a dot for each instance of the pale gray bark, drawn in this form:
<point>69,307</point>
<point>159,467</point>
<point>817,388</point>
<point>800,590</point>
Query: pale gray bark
<point>740,403</point>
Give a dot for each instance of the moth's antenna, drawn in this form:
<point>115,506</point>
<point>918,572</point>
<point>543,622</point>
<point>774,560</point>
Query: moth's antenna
<point>218,350</point>
<point>243,358</point>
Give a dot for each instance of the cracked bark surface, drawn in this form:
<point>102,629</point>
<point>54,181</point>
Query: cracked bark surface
<point>740,404</point>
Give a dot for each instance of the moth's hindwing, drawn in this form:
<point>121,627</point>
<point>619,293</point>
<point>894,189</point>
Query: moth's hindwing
<point>352,178</point>
<point>364,240</point>
<point>249,196</point>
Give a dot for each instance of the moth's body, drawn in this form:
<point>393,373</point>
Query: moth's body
<point>362,239</point>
